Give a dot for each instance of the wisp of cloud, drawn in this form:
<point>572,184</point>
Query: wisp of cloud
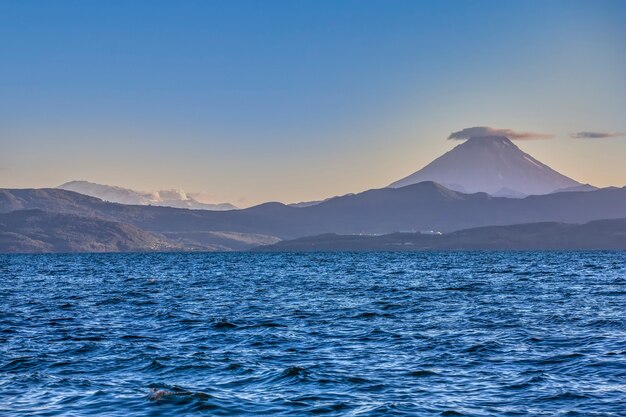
<point>477,131</point>
<point>596,135</point>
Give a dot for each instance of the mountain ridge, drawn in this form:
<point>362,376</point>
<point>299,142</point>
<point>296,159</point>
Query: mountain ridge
<point>609,234</point>
<point>422,206</point>
<point>35,230</point>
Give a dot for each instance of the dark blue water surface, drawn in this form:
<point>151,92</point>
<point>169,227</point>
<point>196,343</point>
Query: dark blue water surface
<point>493,333</point>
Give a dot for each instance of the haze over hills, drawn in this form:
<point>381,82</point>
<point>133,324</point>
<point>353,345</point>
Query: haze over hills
<point>491,164</point>
<point>583,187</point>
<point>423,206</point>
<point>166,198</point>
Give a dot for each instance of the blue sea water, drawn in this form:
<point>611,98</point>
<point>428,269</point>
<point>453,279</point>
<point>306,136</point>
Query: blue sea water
<point>456,333</point>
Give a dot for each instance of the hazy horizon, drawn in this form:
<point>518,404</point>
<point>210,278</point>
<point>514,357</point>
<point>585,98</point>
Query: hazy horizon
<point>249,102</point>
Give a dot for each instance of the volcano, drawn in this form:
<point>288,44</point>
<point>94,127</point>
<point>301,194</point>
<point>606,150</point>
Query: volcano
<point>491,164</point>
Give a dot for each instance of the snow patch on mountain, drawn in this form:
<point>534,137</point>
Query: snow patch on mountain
<point>167,198</point>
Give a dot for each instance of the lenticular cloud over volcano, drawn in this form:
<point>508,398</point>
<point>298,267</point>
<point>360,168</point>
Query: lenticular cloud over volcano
<point>480,131</point>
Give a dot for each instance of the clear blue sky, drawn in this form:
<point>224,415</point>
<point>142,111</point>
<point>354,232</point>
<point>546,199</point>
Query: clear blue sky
<point>250,101</point>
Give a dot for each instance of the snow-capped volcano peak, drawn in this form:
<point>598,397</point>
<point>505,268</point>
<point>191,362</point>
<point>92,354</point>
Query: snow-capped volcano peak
<point>490,164</point>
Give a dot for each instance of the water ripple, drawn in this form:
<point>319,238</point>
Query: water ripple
<point>368,334</point>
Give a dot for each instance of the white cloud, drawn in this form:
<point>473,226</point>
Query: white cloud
<point>475,131</point>
<point>596,135</point>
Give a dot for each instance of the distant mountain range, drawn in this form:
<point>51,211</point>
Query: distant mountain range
<point>596,235</point>
<point>495,178</point>
<point>491,164</point>
<point>423,206</point>
<point>166,198</point>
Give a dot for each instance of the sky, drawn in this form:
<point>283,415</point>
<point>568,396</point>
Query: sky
<point>254,101</point>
